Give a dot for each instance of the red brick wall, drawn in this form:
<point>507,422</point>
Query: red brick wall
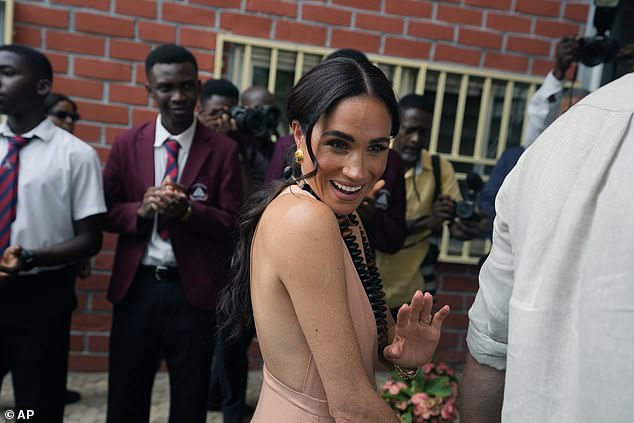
<point>97,48</point>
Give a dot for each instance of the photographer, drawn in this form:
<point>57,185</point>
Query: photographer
<point>247,126</point>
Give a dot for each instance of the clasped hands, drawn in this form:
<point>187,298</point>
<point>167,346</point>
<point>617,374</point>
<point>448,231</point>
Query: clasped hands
<point>169,200</point>
<point>10,262</point>
<point>416,333</point>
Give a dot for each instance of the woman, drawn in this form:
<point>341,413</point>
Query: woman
<point>304,265</point>
<point>62,111</point>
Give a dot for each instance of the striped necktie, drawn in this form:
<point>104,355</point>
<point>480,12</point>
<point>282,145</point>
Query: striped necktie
<point>9,169</point>
<point>171,170</point>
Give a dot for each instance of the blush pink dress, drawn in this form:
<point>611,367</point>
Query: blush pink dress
<point>280,404</point>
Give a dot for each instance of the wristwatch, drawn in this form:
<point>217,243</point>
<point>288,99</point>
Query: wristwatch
<point>29,260</point>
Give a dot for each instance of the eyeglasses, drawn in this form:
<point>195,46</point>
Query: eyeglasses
<point>62,115</point>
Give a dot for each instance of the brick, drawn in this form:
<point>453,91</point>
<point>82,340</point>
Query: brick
<point>205,60</point>
<point>100,303</point>
<point>459,15</point>
<point>109,239</point>
<point>508,23</point>
<point>555,29</point>
<point>94,282</point>
<point>406,48</point>
<point>129,94</point>
<point>104,261</point>
<point>409,8</point>
<point>454,301</point>
<point>76,87</point>
<point>254,26</point>
<point>98,343</point>
<point>82,301</point>
<point>229,4</point>
<point>141,78</point>
<point>538,7</point>
<point>112,132</point>
<point>87,362</point>
<point>449,340</point>
<point>143,115</point>
<point>91,321</point>
<point>197,38</point>
<point>379,23</point>
<point>40,15</point>
<point>128,50</point>
<point>92,4</point>
<point>142,8</point>
<point>103,113</point>
<point>541,66</point>
<point>100,24</point>
<point>157,32</point>
<point>102,152</point>
<point>451,357</point>
<point>456,321</point>
<point>468,301</point>
<point>576,12</point>
<point>432,31</point>
<point>88,132</point>
<point>27,36</point>
<point>490,4</point>
<point>273,7</point>
<point>354,39</point>
<point>447,53</point>
<point>528,45</point>
<point>486,39</point>
<point>300,33</point>
<point>326,15</point>
<point>102,69</point>
<point>77,342</point>
<point>459,283</point>
<point>188,14</point>
<point>360,4</point>
<point>58,61</point>
<point>506,62</point>
<point>75,43</point>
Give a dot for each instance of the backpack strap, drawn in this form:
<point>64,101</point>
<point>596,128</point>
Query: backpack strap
<point>435,164</point>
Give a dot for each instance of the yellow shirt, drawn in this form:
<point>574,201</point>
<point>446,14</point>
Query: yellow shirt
<point>400,272</point>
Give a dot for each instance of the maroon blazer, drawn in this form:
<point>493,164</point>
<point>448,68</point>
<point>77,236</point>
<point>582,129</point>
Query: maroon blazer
<point>203,243</point>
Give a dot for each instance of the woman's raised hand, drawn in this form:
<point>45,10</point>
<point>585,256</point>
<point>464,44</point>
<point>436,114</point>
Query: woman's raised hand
<point>416,333</point>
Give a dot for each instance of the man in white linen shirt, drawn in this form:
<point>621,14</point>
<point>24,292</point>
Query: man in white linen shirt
<point>550,333</point>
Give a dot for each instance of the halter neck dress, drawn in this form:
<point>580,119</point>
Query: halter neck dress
<point>279,403</point>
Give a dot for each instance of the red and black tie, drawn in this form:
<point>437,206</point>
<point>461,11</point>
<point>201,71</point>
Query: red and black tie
<point>9,169</point>
<point>171,170</point>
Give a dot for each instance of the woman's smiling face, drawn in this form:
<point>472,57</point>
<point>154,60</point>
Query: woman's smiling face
<point>350,145</point>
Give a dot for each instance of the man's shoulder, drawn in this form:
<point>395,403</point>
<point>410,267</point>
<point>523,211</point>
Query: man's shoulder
<point>145,129</point>
<point>70,143</point>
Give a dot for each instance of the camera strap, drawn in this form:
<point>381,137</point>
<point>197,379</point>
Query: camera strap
<point>435,165</point>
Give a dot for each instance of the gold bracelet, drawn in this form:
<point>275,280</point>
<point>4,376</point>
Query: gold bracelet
<point>405,373</point>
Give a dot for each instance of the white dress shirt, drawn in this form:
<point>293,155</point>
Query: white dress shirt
<point>59,182</point>
<point>543,108</point>
<point>556,300</point>
<point>159,252</point>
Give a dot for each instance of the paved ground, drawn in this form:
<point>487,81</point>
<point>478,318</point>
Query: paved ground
<point>93,388</point>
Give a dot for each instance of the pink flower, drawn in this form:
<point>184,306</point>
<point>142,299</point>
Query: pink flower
<point>428,368</point>
<point>418,398</point>
<point>443,368</point>
<point>449,410</point>
<point>401,405</point>
<point>395,388</point>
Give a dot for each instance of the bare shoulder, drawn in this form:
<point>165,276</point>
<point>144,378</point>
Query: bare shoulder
<point>295,223</point>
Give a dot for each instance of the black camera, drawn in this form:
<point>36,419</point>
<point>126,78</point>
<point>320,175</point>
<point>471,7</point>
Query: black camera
<point>260,121</point>
<point>596,50</point>
<point>466,209</point>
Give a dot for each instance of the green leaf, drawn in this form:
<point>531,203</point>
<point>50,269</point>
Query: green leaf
<point>439,387</point>
<point>420,378</point>
<point>407,417</point>
<point>398,397</point>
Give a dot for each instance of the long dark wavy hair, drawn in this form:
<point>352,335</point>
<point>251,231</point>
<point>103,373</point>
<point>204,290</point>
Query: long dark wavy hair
<point>315,95</point>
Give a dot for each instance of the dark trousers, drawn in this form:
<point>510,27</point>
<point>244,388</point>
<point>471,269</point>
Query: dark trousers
<point>154,322</point>
<point>228,385</point>
<point>35,316</point>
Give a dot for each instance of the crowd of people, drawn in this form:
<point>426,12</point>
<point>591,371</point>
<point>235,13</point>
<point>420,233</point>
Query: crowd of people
<point>318,242</point>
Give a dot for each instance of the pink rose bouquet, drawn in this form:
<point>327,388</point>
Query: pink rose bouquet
<point>431,397</point>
